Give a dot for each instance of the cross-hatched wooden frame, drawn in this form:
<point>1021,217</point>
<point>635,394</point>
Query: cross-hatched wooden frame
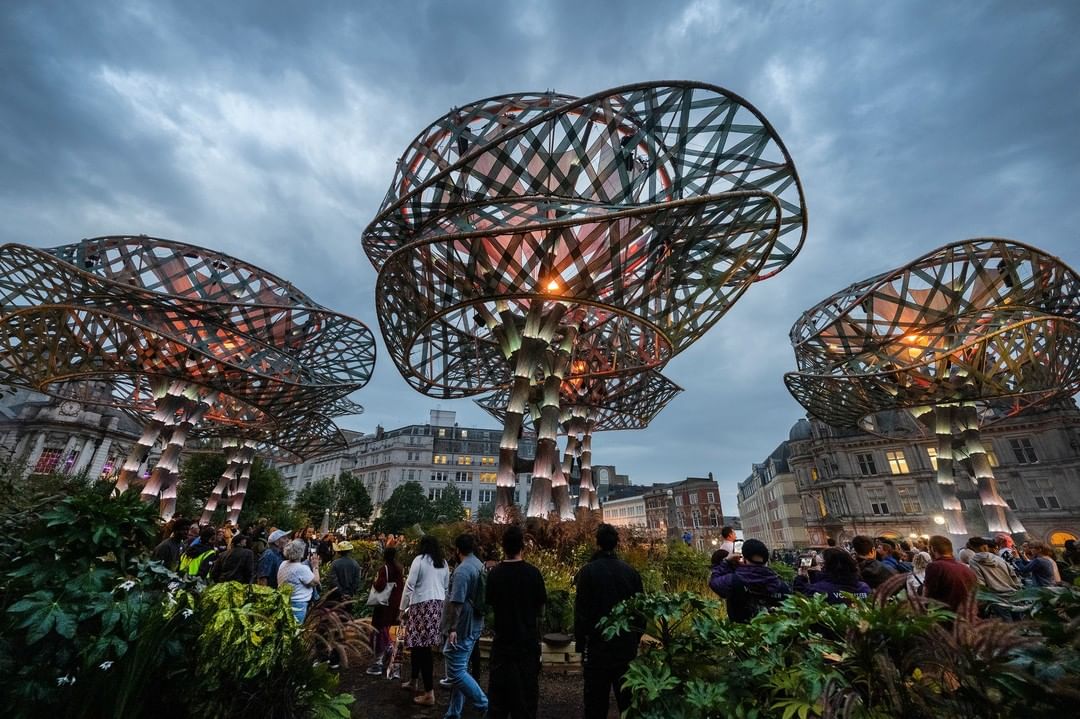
<point>987,320</point>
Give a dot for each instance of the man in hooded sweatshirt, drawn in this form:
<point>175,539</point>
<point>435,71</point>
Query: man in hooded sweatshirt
<point>993,573</point>
<point>748,585</point>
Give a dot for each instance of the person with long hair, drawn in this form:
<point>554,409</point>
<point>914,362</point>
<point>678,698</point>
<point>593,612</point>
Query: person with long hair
<point>422,609</point>
<point>386,615</point>
<point>838,579</point>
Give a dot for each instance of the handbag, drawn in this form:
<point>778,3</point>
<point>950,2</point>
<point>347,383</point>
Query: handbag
<point>380,599</point>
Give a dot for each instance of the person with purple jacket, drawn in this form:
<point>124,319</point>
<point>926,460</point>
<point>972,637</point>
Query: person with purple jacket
<point>748,585</point>
<point>838,579</point>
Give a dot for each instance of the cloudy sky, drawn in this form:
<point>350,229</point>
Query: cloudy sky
<point>269,130</point>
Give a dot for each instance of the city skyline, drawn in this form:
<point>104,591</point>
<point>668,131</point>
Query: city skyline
<point>269,132</point>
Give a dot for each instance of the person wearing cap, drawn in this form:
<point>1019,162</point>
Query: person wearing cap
<point>271,559</point>
<point>344,572</point>
<point>748,585</point>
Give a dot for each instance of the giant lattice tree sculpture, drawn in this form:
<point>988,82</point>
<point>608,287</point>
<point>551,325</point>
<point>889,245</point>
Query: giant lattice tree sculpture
<point>520,226</point>
<point>186,335</point>
<point>969,333</point>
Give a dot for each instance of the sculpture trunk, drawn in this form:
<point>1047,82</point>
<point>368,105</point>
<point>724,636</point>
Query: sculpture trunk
<point>543,488</point>
<point>995,509</point>
<point>236,495</point>
<point>231,448</point>
<point>950,503</point>
<point>165,408</point>
<point>586,496</point>
<point>166,473</point>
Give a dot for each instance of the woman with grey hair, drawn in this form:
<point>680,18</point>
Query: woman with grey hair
<point>915,580</point>
<point>296,573</point>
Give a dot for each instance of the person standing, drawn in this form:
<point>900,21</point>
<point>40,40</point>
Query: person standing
<point>1040,565</point>
<point>302,576</point>
<point>271,559</point>
<point>727,540</point>
<point>463,623</point>
<point>947,580</point>
<point>601,584</point>
<point>422,609</point>
<point>747,583</point>
<point>386,615</point>
<point>888,555</point>
<point>871,570</point>
<point>237,564</point>
<point>516,594</point>
<point>344,572</point>
<point>168,552</point>
<point>996,576</point>
<point>838,579</point>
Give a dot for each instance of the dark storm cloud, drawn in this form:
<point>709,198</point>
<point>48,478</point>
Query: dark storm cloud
<point>269,130</point>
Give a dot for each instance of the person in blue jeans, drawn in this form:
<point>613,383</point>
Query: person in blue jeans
<point>463,625</point>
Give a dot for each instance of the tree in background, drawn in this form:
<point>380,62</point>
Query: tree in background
<point>447,507</point>
<point>486,512</point>
<point>346,498</point>
<point>267,496</point>
<point>406,506</point>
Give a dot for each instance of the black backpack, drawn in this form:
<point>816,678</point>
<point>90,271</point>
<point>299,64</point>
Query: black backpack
<point>478,600</point>
<point>748,600</point>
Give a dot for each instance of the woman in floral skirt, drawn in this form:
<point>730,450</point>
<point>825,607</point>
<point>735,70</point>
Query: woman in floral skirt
<point>422,608</point>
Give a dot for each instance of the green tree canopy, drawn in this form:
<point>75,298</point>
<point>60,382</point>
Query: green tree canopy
<point>406,506</point>
<point>346,497</point>
<point>447,507</point>
<point>199,474</point>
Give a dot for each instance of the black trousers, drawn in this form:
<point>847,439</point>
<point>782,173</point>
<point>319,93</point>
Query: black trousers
<point>600,680</point>
<point>513,685</point>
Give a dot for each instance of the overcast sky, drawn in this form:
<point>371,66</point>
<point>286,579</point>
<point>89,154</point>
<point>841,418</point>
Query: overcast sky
<point>269,131</point>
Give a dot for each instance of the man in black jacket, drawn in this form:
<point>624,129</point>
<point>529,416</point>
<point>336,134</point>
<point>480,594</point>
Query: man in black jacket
<point>601,584</point>
<point>871,570</point>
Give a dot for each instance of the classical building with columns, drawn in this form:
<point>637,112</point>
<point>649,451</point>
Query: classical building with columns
<point>46,434</point>
<point>851,482</point>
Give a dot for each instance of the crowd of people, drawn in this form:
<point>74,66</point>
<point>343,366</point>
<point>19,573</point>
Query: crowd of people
<point>436,605</point>
<point>748,585</point>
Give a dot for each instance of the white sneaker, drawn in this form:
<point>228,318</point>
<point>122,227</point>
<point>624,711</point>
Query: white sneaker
<point>445,683</point>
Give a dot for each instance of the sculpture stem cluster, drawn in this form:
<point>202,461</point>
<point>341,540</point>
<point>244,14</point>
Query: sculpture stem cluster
<point>547,250</point>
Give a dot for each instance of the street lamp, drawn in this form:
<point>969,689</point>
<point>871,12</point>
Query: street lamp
<point>939,520</point>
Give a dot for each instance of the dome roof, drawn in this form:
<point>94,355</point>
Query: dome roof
<point>799,431</point>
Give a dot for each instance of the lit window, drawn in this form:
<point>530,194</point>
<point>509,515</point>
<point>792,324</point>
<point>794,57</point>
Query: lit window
<point>442,432</point>
<point>464,434</point>
<point>47,461</point>
<point>487,461</point>
<point>487,477</point>
<point>464,459</point>
<point>107,468</point>
<point>1023,451</point>
<point>813,474</point>
<point>440,459</point>
<point>897,461</point>
<point>992,458</point>
<point>931,452</point>
<point>866,464</point>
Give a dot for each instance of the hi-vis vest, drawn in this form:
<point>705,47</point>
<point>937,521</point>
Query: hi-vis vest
<point>190,565</point>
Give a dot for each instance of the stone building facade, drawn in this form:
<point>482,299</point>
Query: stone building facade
<point>769,503</point>
<point>45,434</point>
<point>625,508</point>
<point>439,455</point>
<point>851,482</point>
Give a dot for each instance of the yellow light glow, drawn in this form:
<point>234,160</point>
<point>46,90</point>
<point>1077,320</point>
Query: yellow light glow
<point>553,286</point>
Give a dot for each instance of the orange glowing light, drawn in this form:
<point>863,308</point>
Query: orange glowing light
<point>553,286</point>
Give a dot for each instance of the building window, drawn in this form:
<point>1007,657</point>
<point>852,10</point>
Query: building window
<point>442,431</point>
<point>487,461</point>
<point>931,452</point>
<point>464,434</point>
<point>47,461</point>
<point>813,474</point>
<point>909,500</point>
<point>465,494</point>
<point>462,476</point>
<point>1042,490</point>
<point>440,459</point>
<point>464,459</point>
<point>878,504</point>
<point>412,474</point>
<point>991,457</point>
<point>485,495</point>
<point>694,498</point>
<point>107,468</point>
<point>1023,451</point>
<point>487,477</point>
<point>1006,493</point>
<point>866,464</point>
<point>439,476</point>
<point>897,461</point>
<point>678,500</point>
<point>712,497</point>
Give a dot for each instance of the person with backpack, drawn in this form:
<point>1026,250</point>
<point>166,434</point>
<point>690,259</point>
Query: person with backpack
<point>463,620</point>
<point>748,586</point>
<point>384,616</point>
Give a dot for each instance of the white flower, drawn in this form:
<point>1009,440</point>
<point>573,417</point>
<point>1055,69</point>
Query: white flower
<point>105,666</point>
<point>64,681</point>
<point>128,585</point>
<point>173,586</point>
<point>186,613</point>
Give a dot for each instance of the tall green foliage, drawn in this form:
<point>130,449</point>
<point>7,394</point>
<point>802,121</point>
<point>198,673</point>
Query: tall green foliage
<point>345,497</point>
<point>406,506</point>
<point>447,507</point>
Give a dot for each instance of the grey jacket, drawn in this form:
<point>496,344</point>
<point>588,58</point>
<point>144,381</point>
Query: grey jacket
<point>994,573</point>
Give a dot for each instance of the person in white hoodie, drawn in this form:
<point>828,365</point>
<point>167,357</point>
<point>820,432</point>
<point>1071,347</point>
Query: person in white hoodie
<point>994,574</point>
<point>422,607</point>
